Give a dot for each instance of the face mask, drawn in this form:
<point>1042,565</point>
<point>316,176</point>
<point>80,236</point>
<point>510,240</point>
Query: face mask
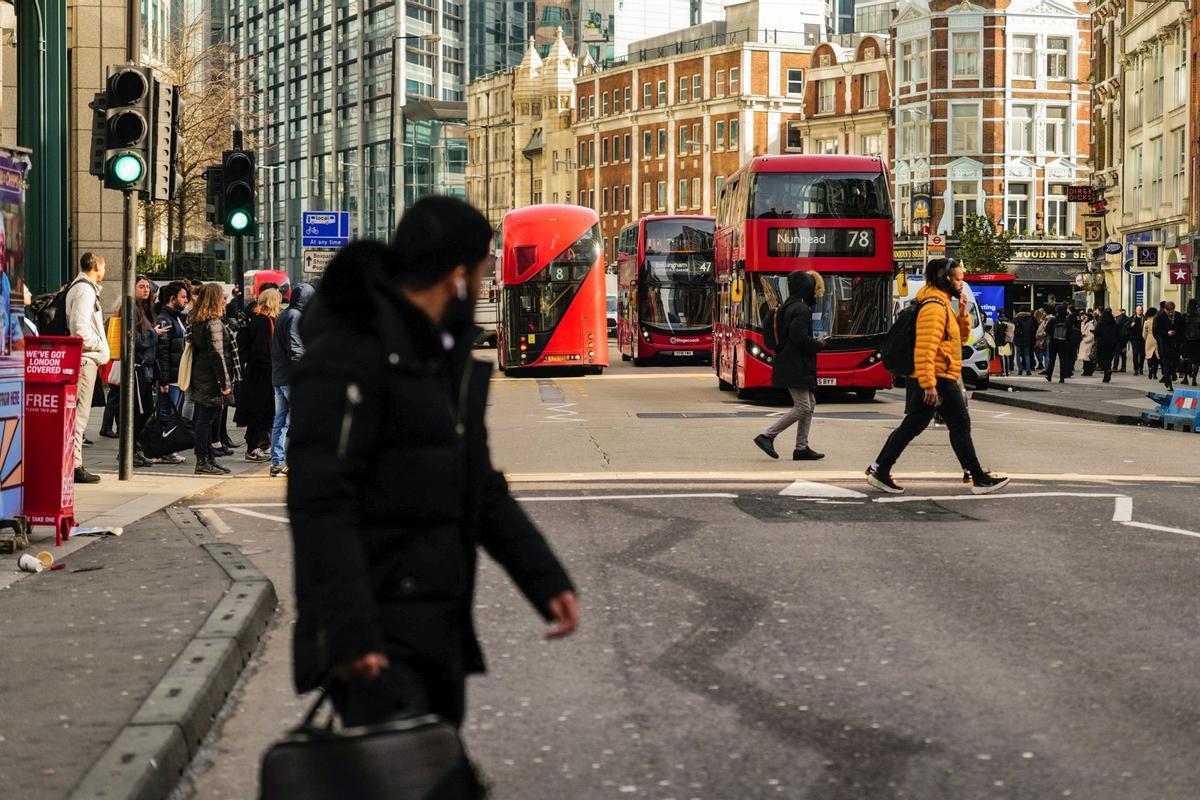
<point>460,311</point>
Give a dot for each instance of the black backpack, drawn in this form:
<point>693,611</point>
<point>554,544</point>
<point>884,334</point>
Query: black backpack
<point>770,328</point>
<point>1061,331</point>
<point>50,313</point>
<point>900,344</point>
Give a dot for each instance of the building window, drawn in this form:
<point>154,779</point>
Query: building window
<point>645,196</point>
<point>733,134</point>
<point>795,136</point>
<point>795,81</point>
<point>681,200</point>
<point>683,139</point>
<point>695,192</point>
<point>626,193</point>
<point>718,184</point>
<point>966,55</point>
<point>720,83</point>
<point>683,90</point>
<point>592,106</point>
<point>1022,53</point>
<point>826,98</point>
<point>1058,50</point>
<point>628,98</point>
<point>647,94</point>
<point>966,201</point>
<point>662,142</point>
<point>696,142</point>
<point>1022,129</point>
<point>912,61</point>
<point>904,208</point>
<point>1056,130</point>
<point>628,146</point>
<point>616,151</point>
<point>604,151</point>
<point>604,104</point>
<point>1181,72</point>
<point>828,147</point>
<point>735,81</point>
<point>908,137</point>
<point>719,135</point>
<point>662,93</point>
<point>696,88</point>
<point>1156,173</point>
<point>1157,79</point>
<point>964,128</point>
<point>554,164</point>
<point>583,108</point>
<point>1135,166</point>
<point>1016,219</point>
<point>870,97</point>
<point>647,144</point>
<point>662,195</point>
<point>582,155</point>
<point>604,201</point>
<point>1179,173</point>
<point>1056,210</point>
<point>872,145</point>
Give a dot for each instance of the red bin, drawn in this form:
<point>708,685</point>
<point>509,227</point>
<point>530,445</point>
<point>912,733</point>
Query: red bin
<point>51,378</point>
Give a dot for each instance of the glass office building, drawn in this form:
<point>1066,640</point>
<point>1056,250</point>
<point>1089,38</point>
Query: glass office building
<point>330,131</point>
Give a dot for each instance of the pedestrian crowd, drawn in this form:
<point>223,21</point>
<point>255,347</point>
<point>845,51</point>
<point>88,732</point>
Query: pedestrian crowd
<point>1163,342</point>
<point>198,353</point>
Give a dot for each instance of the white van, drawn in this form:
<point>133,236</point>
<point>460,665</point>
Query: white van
<point>976,354</point>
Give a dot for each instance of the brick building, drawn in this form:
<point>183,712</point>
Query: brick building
<point>992,118</point>
<point>847,100</point>
<point>1108,131</point>
<point>659,133</point>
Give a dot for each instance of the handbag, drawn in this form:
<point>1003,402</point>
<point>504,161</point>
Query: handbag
<point>185,367</point>
<point>113,376</point>
<point>1006,349</point>
<point>410,759</point>
<point>165,433</point>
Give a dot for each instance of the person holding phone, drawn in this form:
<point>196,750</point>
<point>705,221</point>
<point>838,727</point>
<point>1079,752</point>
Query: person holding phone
<point>934,387</point>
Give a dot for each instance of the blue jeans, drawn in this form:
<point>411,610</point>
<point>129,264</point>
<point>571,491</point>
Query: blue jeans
<point>1024,358</point>
<point>279,429</point>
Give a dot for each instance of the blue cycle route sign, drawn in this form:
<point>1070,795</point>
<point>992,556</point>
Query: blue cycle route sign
<point>324,228</point>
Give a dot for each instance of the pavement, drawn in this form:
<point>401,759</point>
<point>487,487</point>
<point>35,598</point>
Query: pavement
<point>1120,402</point>
<point>115,661</point>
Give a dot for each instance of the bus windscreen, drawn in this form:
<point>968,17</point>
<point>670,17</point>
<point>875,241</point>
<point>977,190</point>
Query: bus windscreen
<point>541,302</point>
<point>811,195</point>
<point>678,275</point>
<point>854,306</point>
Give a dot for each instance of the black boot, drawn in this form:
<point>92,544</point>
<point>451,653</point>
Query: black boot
<point>206,466</point>
<point>807,454</point>
<point>766,444</point>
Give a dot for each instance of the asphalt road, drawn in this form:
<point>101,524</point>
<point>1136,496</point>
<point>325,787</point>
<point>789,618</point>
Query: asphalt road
<point>753,629</point>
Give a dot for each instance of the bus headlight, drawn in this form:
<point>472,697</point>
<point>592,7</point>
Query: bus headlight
<point>872,359</point>
<point>645,334</point>
<point>758,352</point>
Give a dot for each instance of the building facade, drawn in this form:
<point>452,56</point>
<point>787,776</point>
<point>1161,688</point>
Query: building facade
<point>847,101</point>
<point>1108,138</point>
<point>357,108</point>
<point>490,165</point>
<point>660,136</point>
<point>992,119</point>
<point>1157,129</point>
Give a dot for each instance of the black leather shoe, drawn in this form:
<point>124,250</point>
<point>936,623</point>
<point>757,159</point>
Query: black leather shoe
<point>83,476</point>
<point>766,444</point>
<point>807,454</point>
<point>109,434</point>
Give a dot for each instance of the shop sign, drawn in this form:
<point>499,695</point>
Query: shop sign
<point>909,253</point>
<point>1112,248</point>
<point>1093,232</point>
<point>1181,274</point>
<point>1147,256</point>
<point>1049,254</point>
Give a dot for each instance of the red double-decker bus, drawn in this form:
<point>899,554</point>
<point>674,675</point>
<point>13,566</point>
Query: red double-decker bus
<point>665,288</point>
<point>550,290</point>
<point>829,214</point>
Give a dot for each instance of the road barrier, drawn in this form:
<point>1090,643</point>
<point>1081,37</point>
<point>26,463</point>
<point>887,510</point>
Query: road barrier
<point>1177,411</point>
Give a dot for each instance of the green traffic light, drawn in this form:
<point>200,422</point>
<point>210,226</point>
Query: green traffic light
<point>127,168</point>
<point>239,220</point>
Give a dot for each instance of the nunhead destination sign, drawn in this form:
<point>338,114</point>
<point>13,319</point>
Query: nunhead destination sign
<point>827,242</point>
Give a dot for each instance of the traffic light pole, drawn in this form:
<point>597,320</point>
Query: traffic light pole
<point>128,283</point>
<point>239,265</point>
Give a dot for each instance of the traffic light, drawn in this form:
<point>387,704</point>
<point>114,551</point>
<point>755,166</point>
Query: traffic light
<point>238,201</point>
<point>213,194</point>
<point>127,143</point>
<point>165,141</point>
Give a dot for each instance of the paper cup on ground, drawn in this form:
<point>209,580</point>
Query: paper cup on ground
<point>29,563</point>
<point>47,559</point>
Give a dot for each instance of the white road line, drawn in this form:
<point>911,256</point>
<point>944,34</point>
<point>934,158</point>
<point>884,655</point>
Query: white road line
<point>578,498</point>
<point>1123,510</point>
<point>802,488</point>
<point>1151,527</point>
<point>240,505</point>
<point>256,514</point>
<point>211,520</point>
<point>787,476</point>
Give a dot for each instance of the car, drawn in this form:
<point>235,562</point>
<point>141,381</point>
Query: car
<point>611,312</point>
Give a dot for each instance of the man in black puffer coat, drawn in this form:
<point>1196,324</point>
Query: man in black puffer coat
<point>795,365</point>
<point>391,497</point>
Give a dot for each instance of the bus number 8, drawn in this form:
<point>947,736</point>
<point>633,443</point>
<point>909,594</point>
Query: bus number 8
<point>860,240</point>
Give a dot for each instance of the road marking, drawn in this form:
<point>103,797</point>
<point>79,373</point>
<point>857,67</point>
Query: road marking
<point>257,514</point>
<point>1151,527</point>
<point>563,413</point>
<point>1123,510</point>
<point>576,498</point>
<point>787,476</point>
<point>802,488</point>
<point>241,505</point>
<point>211,520</point>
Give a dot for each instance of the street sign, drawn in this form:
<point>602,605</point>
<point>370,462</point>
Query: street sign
<point>936,244</point>
<point>1093,232</point>
<point>1079,194</point>
<point>1181,274</point>
<point>1146,256</point>
<point>924,230</point>
<point>316,261</point>
<point>1112,248</point>
<point>922,206</point>
<point>325,228</point>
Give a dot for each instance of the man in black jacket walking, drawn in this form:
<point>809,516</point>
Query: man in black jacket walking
<point>795,365</point>
<point>391,498</point>
<point>286,351</point>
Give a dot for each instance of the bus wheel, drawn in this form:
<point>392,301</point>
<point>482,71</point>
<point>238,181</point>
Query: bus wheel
<point>865,394</point>
<point>724,385</point>
<point>597,370</point>
<point>641,362</point>
<point>745,394</point>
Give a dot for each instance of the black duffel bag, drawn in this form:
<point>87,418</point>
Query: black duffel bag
<point>167,433</point>
<point>420,758</point>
